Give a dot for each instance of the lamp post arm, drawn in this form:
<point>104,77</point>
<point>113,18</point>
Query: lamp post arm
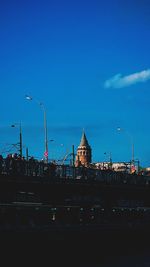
<point>131,140</point>
<point>45,126</point>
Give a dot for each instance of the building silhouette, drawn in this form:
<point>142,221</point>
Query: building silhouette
<point>84,152</point>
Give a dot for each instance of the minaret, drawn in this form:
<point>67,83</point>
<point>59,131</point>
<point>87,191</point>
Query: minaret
<point>83,152</point>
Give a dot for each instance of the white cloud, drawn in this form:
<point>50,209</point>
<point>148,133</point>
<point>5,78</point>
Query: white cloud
<point>119,81</point>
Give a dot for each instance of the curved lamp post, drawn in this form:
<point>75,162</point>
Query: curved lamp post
<point>131,140</point>
<point>20,136</point>
<point>45,125</point>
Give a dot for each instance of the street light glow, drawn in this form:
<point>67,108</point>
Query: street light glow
<point>28,97</point>
<point>118,129</point>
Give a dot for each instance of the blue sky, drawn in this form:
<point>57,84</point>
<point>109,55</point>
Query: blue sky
<point>88,62</point>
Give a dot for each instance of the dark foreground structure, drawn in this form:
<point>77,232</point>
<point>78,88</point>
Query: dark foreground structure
<point>88,215</point>
<point>46,197</point>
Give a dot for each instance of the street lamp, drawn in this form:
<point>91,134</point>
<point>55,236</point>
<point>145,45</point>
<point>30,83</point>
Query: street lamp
<point>20,136</point>
<point>45,125</point>
<point>131,140</point>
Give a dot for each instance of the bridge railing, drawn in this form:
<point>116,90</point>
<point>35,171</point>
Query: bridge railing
<point>35,169</point>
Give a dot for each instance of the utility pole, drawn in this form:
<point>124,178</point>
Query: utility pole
<point>27,154</point>
<point>46,138</point>
<point>133,153</point>
<point>73,156</point>
<point>20,135</point>
<point>110,158</point>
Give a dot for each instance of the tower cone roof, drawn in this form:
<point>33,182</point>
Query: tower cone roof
<point>84,141</point>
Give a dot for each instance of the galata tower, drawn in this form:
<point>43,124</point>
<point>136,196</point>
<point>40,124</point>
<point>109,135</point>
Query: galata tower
<point>84,155</point>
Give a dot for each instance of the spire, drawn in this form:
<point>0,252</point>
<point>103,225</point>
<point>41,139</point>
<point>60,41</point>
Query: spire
<point>84,141</point>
